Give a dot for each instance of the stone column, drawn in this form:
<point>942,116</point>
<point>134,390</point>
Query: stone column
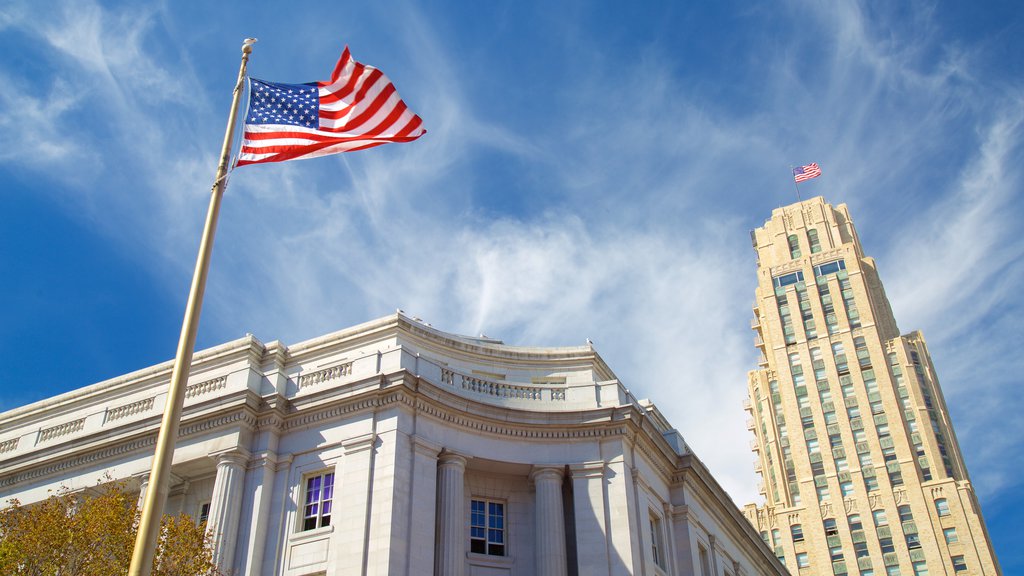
<point>550,521</point>
<point>226,506</point>
<point>450,559</point>
<point>143,479</point>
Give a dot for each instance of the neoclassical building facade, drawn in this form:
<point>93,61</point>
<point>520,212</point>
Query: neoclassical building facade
<point>394,448</point>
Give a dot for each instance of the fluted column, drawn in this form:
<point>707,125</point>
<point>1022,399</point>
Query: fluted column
<point>226,506</point>
<point>450,559</point>
<point>550,521</point>
<point>143,486</point>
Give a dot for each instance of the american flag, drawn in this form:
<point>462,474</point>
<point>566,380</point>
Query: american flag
<point>806,172</point>
<point>358,108</point>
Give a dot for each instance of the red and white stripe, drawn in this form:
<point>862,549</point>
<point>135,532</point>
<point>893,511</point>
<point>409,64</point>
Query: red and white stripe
<point>359,108</point>
<point>807,172</point>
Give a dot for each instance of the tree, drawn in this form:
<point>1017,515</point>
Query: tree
<point>78,534</point>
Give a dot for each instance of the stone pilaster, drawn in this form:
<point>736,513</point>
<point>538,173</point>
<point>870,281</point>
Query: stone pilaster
<point>423,511</point>
<point>550,521</point>
<point>450,559</point>
<point>350,516</point>
<point>592,543</point>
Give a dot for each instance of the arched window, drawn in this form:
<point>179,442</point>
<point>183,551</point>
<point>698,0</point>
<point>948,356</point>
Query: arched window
<point>812,239</point>
<point>798,532</point>
<point>794,246</point>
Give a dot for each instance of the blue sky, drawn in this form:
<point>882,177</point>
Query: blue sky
<point>591,170</point>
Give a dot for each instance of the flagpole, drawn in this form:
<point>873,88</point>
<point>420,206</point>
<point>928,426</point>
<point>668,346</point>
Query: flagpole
<point>795,185</point>
<point>159,476</point>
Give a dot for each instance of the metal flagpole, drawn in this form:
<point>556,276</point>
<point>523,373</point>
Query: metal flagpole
<point>159,476</point>
<point>795,185</point>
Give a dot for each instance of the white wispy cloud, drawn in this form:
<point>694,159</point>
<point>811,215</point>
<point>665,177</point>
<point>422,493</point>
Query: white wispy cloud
<point>638,186</point>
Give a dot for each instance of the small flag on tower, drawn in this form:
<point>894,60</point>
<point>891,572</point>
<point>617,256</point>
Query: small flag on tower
<point>358,108</point>
<point>806,172</point>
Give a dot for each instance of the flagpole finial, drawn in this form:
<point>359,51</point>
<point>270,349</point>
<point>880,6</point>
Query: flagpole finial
<point>247,45</point>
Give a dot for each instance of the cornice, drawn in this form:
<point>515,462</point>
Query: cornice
<point>143,440</point>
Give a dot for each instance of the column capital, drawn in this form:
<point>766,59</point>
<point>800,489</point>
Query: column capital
<point>237,455</point>
<point>593,469</point>
<point>452,460</point>
<point>359,443</point>
<point>541,473</point>
<point>424,447</point>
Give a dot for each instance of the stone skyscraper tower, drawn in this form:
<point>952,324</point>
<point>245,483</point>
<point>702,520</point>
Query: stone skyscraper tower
<point>862,473</point>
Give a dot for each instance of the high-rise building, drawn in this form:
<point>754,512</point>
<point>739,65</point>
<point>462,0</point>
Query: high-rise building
<point>862,473</point>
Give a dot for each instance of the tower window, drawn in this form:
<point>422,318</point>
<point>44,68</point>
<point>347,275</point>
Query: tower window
<point>942,507</point>
<point>829,268</point>
<point>812,239</point>
<point>798,532</point>
<point>794,246</point>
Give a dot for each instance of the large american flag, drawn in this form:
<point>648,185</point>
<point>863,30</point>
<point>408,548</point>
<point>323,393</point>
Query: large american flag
<point>806,172</point>
<point>358,108</point>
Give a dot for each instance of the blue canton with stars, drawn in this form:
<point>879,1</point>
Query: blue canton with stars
<point>293,104</point>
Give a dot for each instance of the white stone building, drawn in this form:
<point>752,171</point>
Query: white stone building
<point>394,448</point>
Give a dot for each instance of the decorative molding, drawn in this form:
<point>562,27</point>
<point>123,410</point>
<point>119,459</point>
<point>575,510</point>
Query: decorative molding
<point>360,443</point>
<point>325,375</point>
<point>9,445</point>
<point>479,385</point>
<point>127,410</point>
<point>587,470</point>
<point>206,387</point>
<point>123,448</point>
<point>47,434</point>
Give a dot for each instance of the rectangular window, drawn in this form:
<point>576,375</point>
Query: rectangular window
<point>204,512</point>
<point>870,483</point>
<point>657,547</point>
<point>316,513</point>
<point>905,514</point>
<point>942,507</point>
<point>920,568</point>
<point>846,488</point>
<point>886,545</point>
<point>823,493</point>
<point>950,534</point>
<point>801,560</point>
<point>913,541</point>
<point>835,553</point>
<point>787,279</point>
<point>487,527</point>
<point>829,268</point>
<point>798,532</point>
<point>880,518</point>
<point>830,527</point>
<point>959,565</point>
<point>860,549</point>
<point>854,521</point>
<point>705,564</point>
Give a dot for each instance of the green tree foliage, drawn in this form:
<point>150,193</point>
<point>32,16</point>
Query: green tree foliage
<point>76,534</point>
